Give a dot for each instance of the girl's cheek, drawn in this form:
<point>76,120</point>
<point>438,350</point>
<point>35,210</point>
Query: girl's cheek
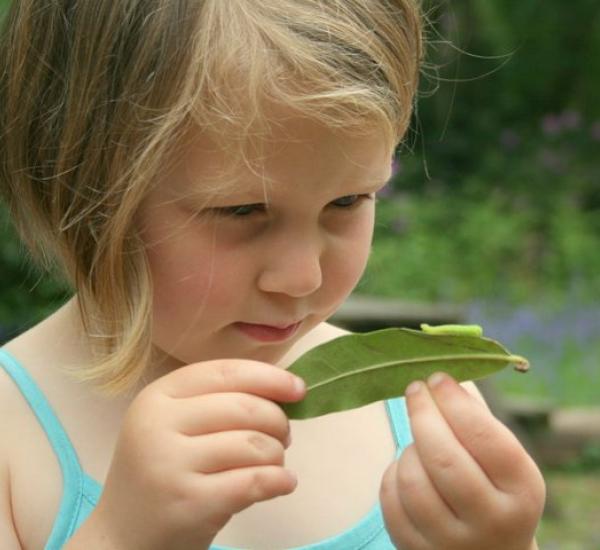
<point>349,258</point>
<point>182,268</point>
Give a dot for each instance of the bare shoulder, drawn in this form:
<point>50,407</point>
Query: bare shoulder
<point>324,332</point>
<point>11,409</point>
<point>27,460</point>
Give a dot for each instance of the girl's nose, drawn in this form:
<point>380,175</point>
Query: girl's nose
<point>293,269</point>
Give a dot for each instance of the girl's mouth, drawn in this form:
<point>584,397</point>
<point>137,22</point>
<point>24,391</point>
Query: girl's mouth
<point>267,333</point>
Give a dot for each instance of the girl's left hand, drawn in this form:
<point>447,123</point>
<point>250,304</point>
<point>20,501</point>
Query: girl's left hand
<point>466,483</point>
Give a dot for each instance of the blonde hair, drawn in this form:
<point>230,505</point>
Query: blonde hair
<point>95,95</point>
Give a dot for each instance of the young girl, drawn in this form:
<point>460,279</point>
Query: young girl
<point>203,174</point>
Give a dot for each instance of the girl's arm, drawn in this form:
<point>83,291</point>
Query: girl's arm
<point>89,535</point>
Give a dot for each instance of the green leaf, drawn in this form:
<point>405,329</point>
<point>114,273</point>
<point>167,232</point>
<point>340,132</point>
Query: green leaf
<point>358,369</point>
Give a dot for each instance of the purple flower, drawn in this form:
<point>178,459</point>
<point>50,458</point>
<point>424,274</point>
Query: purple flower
<point>560,342</point>
<point>595,131</point>
<point>551,125</point>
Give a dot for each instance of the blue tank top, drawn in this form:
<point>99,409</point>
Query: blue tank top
<point>81,492</point>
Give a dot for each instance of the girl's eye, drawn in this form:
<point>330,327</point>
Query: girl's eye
<point>350,200</point>
<point>244,210</point>
<point>240,211</point>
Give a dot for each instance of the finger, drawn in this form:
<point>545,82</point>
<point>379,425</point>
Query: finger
<point>398,523</point>
<point>219,412</point>
<point>239,375</point>
<point>426,510</point>
<point>234,490</point>
<point>223,451</point>
<point>492,445</point>
<point>456,476</point>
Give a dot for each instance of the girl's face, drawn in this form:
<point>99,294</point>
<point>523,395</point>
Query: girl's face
<point>289,252</point>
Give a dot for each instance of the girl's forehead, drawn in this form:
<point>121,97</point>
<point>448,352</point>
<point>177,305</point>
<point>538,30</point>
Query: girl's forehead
<point>299,151</point>
<point>298,154</point>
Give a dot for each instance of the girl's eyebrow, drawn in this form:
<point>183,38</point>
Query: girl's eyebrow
<point>370,186</point>
<point>256,194</point>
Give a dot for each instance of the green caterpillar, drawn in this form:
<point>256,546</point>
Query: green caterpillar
<point>453,330</point>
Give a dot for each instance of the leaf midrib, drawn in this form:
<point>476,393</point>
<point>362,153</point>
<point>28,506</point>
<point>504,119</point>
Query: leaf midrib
<point>427,359</point>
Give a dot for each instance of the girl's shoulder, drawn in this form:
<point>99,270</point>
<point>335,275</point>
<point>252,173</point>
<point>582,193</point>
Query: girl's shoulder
<point>13,408</point>
<point>323,332</point>
<point>45,418</point>
<point>22,455</point>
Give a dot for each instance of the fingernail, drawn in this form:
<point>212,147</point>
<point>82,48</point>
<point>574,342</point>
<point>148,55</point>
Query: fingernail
<point>436,379</point>
<point>413,387</point>
<point>299,384</point>
<point>293,478</point>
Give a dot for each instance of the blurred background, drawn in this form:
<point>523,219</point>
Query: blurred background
<point>495,208</point>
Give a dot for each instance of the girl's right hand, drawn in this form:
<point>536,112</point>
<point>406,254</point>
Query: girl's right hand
<point>195,447</point>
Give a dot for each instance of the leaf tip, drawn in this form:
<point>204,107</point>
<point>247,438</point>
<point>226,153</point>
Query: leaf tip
<point>520,363</point>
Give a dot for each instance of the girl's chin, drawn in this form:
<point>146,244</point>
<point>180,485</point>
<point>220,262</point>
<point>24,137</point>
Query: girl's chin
<point>167,361</point>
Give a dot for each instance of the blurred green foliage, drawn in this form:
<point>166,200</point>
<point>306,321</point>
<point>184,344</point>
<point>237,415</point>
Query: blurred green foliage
<point>497,193</point>
<point>498,187</point>
<point>575,495</point>
<point>485,237</point>
<point>27,294</point>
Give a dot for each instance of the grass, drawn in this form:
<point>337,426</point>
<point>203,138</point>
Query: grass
<point>576,526</point>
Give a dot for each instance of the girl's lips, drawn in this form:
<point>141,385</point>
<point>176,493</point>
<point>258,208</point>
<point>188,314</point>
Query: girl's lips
<point>265,333</point>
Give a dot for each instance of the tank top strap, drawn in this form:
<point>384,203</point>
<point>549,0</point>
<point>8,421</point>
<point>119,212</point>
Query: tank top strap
<point>398,415</point>
<point>73,478</point>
